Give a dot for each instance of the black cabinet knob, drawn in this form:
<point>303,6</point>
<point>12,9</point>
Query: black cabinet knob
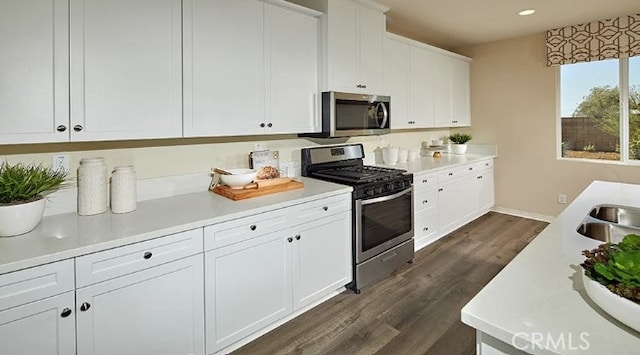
<point>147,255</point>
<point>85,306</point>
<point>61,128</point>
<point>65,313</point>
<point>297,237</point>
<point>253,227</point>
<point>269,124</point>
<point>262,125</point>
<point>289,239</point>
<point>77,128</point>
<point>325,208</point>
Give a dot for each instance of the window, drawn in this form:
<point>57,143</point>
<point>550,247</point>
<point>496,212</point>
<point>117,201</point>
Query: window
<point>600,110</point>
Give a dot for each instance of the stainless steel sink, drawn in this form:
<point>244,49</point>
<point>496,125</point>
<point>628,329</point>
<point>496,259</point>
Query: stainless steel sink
<point>625,216</point>
<point>610,223</point>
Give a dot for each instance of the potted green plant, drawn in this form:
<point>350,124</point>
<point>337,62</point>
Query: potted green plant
<point>459,142</point>
<point>22,191</point>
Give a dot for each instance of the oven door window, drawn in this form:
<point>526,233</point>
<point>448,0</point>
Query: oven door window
<point>386,220</point>
<point>355,115</point>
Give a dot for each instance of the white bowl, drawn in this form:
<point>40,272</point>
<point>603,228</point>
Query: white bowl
<point>239,178</point>
<point>618,307</point>
<point>437,142</point>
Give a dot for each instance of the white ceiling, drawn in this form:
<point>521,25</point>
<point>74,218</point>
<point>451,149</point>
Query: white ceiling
<point>455,23</point>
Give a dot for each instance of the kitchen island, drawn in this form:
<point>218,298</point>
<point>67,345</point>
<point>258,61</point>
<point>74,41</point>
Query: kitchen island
<point>537,304</point>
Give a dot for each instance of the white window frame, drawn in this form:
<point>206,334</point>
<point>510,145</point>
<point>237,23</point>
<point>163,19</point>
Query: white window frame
<point>623,84</point>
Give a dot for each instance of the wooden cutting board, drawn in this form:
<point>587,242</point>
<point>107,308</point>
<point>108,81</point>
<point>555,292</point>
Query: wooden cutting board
<point>241,194</point>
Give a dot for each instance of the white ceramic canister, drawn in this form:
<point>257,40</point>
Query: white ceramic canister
<point>92,186</point>
<point>123,189</point>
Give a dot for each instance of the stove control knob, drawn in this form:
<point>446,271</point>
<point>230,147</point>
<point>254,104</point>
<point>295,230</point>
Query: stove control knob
<point>389,186</point>
<point>379,189</point>
<point>369,192</point>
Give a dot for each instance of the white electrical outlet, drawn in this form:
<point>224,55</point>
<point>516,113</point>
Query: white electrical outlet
<point>562,199</point>
<point>60,162</point>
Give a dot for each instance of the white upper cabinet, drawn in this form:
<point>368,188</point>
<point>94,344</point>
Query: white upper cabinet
<point>126,69</point>
<point>34,71</point>
<point>429,86</point>
<point>353,34</point>
<point>250,68</point>
<point>396,80</point>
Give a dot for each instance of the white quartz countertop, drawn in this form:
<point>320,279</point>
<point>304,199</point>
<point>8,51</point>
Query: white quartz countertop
<point>540,295</point>
<point>430,164</point>
<point>68,235</point>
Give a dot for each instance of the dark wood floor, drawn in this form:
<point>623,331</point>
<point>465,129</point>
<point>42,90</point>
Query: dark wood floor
<point>417,309</point>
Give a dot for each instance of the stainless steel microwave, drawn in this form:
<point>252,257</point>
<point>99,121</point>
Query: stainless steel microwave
<point>347,114</point>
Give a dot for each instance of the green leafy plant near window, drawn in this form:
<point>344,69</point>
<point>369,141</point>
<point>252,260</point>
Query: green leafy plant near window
<point>460,138</point>
<point>22,183</point>
<point>589,147</point>
<point>616,266</point>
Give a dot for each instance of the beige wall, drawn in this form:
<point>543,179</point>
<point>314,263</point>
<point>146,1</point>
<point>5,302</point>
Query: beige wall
<point>513,104</point>
<point>158,158</point>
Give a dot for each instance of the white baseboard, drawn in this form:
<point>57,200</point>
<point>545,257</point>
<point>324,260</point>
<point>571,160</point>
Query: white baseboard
<point>524,214</point>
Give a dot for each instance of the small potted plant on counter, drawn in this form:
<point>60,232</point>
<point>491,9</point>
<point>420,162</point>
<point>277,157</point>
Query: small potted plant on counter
<point>459,142</point>
<point>22,191</point>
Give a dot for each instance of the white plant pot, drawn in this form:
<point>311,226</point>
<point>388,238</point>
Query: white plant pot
<point>618,307</point>
<point>458,148</point>
<point>20,219</point>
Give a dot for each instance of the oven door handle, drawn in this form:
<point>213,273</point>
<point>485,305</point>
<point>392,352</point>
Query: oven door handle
<point>387,198</point>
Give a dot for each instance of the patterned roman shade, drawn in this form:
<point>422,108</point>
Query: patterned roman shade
<point>605,39</point>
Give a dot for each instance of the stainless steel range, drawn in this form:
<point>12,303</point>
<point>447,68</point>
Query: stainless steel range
<point>382,208</point>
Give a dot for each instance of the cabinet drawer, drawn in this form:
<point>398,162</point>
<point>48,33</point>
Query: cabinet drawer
<point>121,261</point>
<point>426,199</point>
<point>452,173</point>
<point>425,181</point>
<point>426,224</point>
<point>238,230</point>
<point>314,210</point>
<point>483,165</point>
<point>28,285</point>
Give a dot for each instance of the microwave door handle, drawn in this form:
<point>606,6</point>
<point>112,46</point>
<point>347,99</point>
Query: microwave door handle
<point>385,114</point>
<point>387,198</point>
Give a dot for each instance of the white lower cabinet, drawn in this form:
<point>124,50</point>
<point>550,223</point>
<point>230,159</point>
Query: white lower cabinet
<point>256,282</point>
<point>449,198</point>
<point>159,310</point>
<point>248,286</point>
<point>45,327</point>
<point>321,258</point>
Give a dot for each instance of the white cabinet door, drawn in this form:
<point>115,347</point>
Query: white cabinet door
<point>343,51</point>
<point>396,81</point>
<point>291,40</point>
<point>460,96</point>
<point>248,286</point>
<point>451,196</point>
<point>371,24</point>
<point>421,105</point>
<point>126,69</point>
<point>34,70</point>
<point>223,71</point>
<point>322,258</point>
<point>155,311</point>
<point>486,189</point>
<point>442,89</point>
<point>45,327</point>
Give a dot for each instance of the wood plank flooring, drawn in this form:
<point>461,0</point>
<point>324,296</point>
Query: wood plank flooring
<point>417,309</point>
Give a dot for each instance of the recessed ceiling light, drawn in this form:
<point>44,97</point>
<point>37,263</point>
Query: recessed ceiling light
<point>527,12</point>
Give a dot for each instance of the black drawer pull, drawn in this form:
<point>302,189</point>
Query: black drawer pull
<point>450,174</point>
<point>298,237</point>
<point>85,306</point>
<point>65,313</point>
<point>479,177</point>
<point>289,239</point>
<point>440,189</point>
<point>425,201</point>
<point>425,181</point>
<point>253,227</point>
<point>425,229</point>
<point>147,255</point>
<point>325,208</point>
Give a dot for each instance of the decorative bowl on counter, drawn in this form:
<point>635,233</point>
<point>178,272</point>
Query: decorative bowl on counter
<point>618,307</point>
<point>239,178</point>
